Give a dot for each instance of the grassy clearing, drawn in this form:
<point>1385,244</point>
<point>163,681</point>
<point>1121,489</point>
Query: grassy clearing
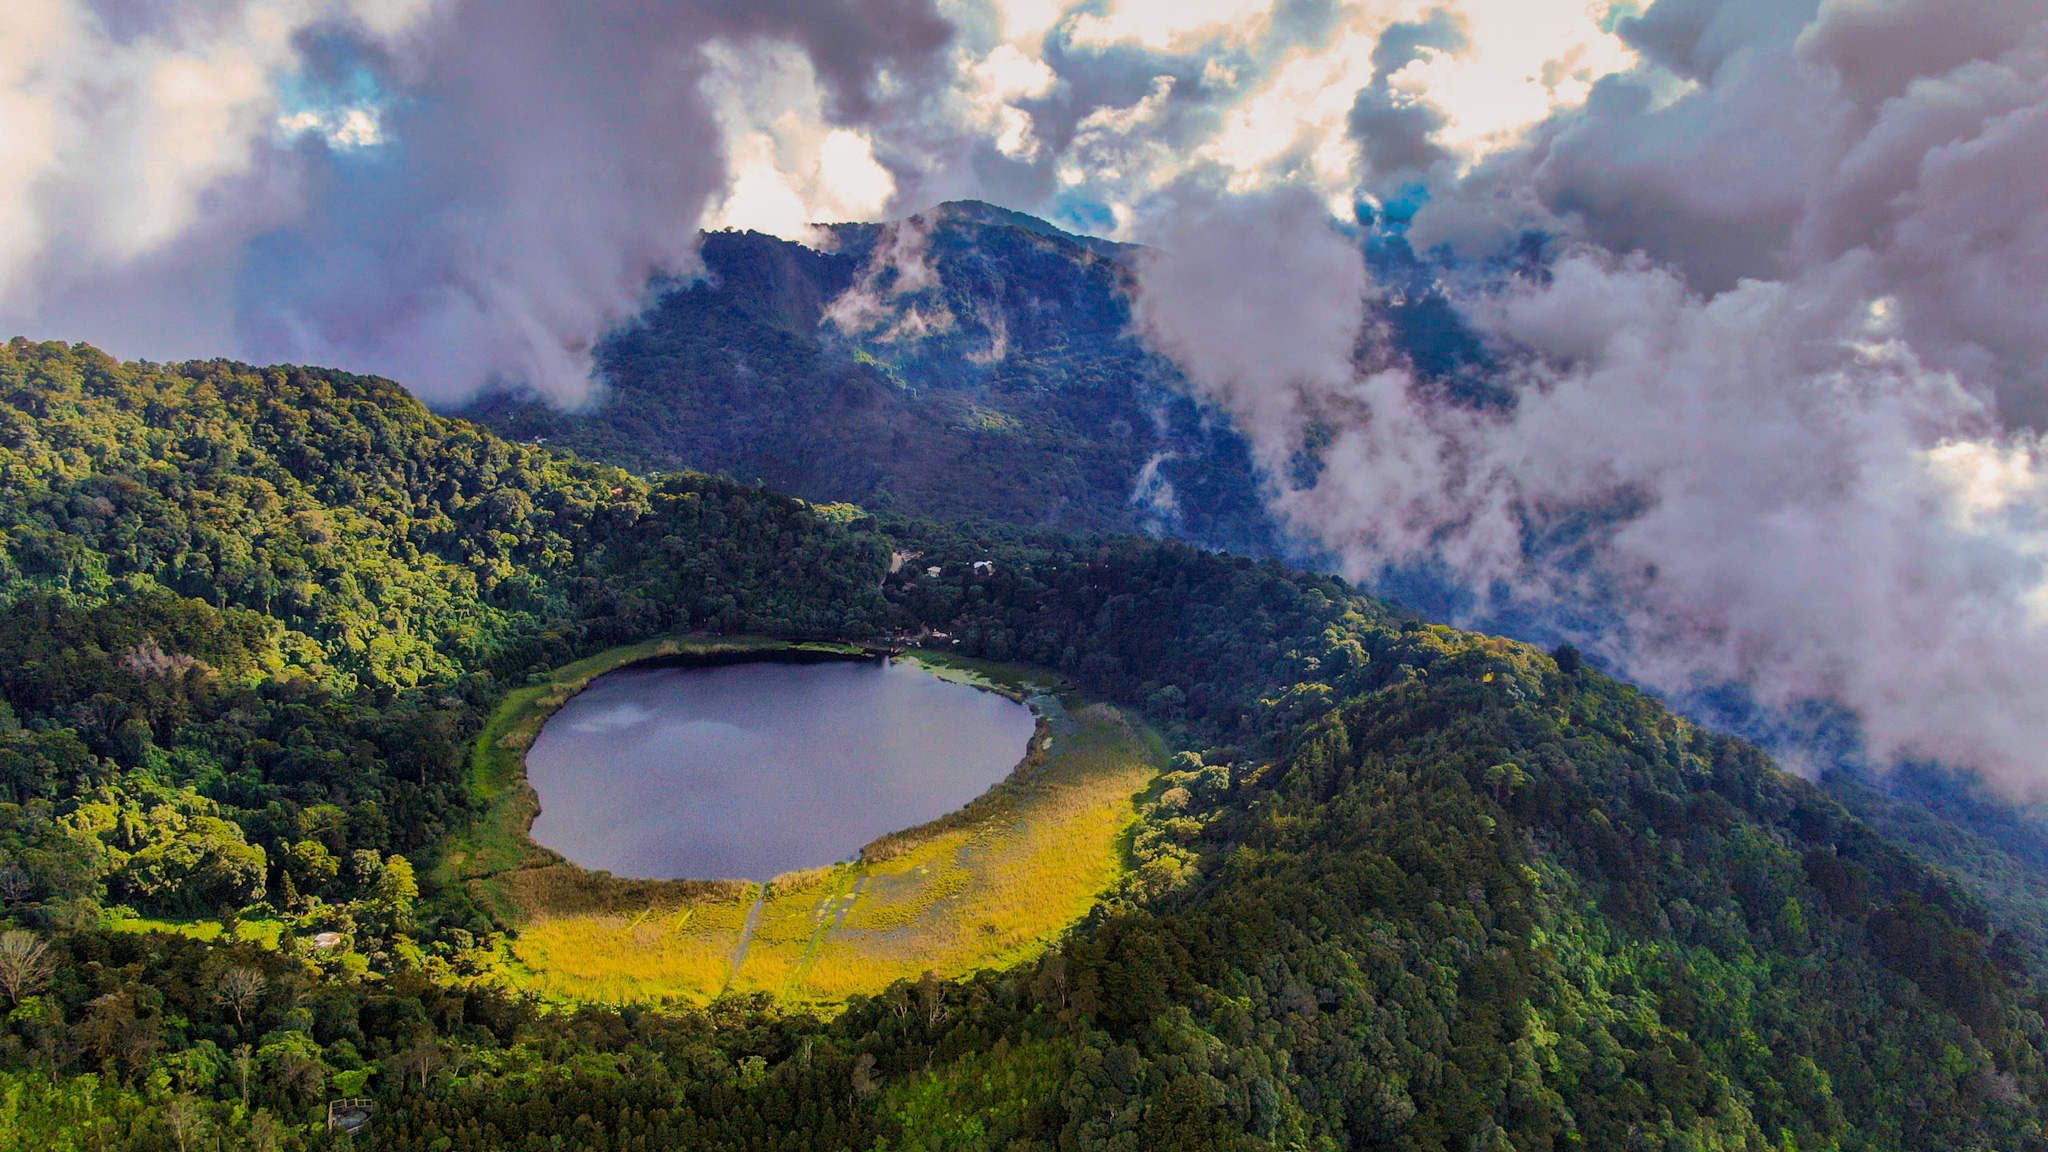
<point>987,886</point>
<point>683,954</point>
<point>264,932</point>
<point>994,892</point>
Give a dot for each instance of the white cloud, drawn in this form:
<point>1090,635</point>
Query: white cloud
<point>1302,108</point>
<point>343,128</point>
<point>887,301</point>
<point>999,79</point>
<point>789,169</point>
<point>33,34</point>
<point>1274,101</point>
<point>1027,21</point>
<point>112,143</point>
<point>1812,510</point>
<point>1007,73</point>
<point>1117,152</point>
<point>1526,59</point>
<point>1780,404</point>
<point>1173,24</point>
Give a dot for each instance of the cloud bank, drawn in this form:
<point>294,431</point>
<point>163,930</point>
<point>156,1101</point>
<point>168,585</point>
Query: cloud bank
<point>442,192</point>
<point>1773,403</point>
<point>451,191</point>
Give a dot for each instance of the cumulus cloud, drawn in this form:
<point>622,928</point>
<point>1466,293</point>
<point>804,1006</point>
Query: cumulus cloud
<point>122,129</point>
<point>1773,408</point>
<point>790,169</point>
<point>1170,24</point>
<point>1259,300</point>
<point>1397,130</point>
<point>447,191</point>
<point>440,192</point>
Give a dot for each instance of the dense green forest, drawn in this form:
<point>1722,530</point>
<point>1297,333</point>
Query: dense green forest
<point>1405,888</point>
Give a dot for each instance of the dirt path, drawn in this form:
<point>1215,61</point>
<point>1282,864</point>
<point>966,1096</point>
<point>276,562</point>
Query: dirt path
<point>847,904</point>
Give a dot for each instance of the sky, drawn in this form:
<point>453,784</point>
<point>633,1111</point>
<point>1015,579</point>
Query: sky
<point>1774,374</point>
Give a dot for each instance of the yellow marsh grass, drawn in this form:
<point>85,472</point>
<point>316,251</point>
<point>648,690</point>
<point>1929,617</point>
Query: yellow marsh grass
<point>977,888</point>
<point>681,955</point>
<point>994,894</point>
<point>991,893</point>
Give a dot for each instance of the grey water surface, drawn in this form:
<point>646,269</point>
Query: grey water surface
<point>752,770</point>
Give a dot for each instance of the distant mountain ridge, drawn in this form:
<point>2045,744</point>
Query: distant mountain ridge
<point>969,361</point>
<point>982,212</point>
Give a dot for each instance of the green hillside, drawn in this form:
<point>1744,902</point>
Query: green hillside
<point>1403,887</point>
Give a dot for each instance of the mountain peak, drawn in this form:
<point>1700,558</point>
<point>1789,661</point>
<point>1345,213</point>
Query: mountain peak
<point>982,212</point>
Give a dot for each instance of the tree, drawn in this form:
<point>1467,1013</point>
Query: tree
<point>14,882</point>
<point>265,1133</point>
<point>240,989</point>
<point>25,962</point>
<point>396,889</point>
<point>309,866</point>
<point>865,1083</point>
<point>1568,660</point>
<point>243,1057</point>
<point>423,1059</point>
<point>186,1117</point>
<point>931,1000</point>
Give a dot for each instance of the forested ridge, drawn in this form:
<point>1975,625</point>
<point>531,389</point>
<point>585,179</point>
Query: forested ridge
<point>966,362</point>
<point>1405,887</point>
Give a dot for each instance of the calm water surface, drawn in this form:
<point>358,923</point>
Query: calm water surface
<point>753,770</point>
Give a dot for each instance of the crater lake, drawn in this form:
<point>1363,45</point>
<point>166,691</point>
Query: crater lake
<point>751,770</point>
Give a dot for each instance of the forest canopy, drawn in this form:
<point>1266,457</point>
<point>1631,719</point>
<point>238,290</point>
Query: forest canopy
<point>1404,887</point>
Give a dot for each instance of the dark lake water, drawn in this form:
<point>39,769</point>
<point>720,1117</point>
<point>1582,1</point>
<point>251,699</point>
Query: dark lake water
<point>752,770</point>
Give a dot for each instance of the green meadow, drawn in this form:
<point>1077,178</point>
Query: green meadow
<point>268,933</point>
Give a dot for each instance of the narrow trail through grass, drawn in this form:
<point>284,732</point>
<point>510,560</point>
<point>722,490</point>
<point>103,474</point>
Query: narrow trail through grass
<point>739,954</point>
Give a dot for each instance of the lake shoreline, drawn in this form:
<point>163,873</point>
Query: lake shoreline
<point>799,654</point>
<point>510,879</point>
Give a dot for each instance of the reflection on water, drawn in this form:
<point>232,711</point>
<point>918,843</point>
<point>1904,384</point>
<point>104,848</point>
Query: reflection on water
<point>752,770</point>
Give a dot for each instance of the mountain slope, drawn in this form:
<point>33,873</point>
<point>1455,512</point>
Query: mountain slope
<point>292,592</point>
<point>967,362</point>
